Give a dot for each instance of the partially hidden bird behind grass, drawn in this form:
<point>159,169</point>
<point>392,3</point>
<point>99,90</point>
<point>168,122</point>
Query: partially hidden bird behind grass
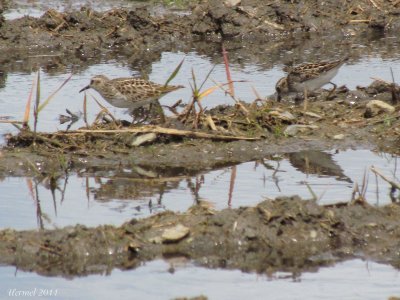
<point>307,77</point>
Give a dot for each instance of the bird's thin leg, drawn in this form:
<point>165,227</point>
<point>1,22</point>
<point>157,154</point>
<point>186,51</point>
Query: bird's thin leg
<point>160,111</point>
<point>153,111</point>
<point>305,99</point>
<point>137,113</point>
<point>149,114</point>
<point>332,90</point>
<point>104,111</point>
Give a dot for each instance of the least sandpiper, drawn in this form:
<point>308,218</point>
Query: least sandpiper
<point>129,92</point>
<point>307,77</point>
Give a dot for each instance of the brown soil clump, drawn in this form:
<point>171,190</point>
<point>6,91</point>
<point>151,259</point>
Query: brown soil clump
<point>224,135</point>
<point>288,234</point>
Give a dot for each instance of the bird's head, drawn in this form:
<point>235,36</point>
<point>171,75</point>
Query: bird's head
<point>96,83</point>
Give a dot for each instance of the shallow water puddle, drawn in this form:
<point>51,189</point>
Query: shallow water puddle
<point>69,97</point>
<point>353,279</point>
<point>115,197</point>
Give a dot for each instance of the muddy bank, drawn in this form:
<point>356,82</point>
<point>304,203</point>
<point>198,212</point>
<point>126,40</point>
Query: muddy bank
<point>345,119</point>
<point>138,28</point>
<point>140,35</point>
<point>162,159</point>
<point>288,234</point>
<point>209,155</point>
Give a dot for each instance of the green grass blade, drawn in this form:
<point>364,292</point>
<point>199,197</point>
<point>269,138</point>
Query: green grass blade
<point>44,104</point>
<point>206,78</point>
<point>38,89</point>
<point>174,73</point>
<point>191,87</point>
<point>194,82</point>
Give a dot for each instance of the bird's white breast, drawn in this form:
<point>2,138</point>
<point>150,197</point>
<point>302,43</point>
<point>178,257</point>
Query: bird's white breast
<point>316,83</point>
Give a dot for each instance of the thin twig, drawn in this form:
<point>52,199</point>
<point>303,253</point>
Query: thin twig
<point>227,71</point>
<point>376,5</point>
<point>395,98</point>
<point>162,130</point>
<point>11,122</point>
<point>314,196</point>
<point>391,182</point>
<point>254,16</point>
<point>231,185</point>
<point>359,21</point>
<point>245,110</point>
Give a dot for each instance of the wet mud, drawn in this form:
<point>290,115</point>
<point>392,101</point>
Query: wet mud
<point>139,36</point>
<point>348,119</point>
<point>287,234</point>
<point>86,30</point>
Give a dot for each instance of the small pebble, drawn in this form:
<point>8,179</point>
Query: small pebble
<point>293,130</point>
<point>175,234</point>
<point>285,115</point>
<point>144,138</point>
<point>338,136</point>
<point>376,107</point>
<point>232,3</point>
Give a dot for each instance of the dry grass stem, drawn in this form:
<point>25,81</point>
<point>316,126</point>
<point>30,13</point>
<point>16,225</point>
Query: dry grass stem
<point>385,178</point>
<point>168,131</point>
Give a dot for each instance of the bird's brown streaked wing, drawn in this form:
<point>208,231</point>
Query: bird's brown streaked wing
<point>310,71</point>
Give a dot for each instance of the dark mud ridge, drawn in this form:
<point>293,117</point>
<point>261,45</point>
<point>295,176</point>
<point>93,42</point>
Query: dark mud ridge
<point>224,136</point>
<point>249,19</point>
<point>87,33</point>
<point>287,234</point>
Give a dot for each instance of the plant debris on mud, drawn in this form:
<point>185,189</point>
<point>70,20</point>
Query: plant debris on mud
<point>347,115</point>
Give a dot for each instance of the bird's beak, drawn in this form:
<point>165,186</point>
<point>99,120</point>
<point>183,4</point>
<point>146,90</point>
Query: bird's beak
<point>85,88</point>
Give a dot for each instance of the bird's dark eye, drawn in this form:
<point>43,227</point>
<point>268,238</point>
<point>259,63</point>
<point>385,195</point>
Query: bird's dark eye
<point>91,81</point>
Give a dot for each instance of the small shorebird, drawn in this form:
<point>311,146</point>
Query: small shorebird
<point>307,78</point>
<point>129,92</point>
